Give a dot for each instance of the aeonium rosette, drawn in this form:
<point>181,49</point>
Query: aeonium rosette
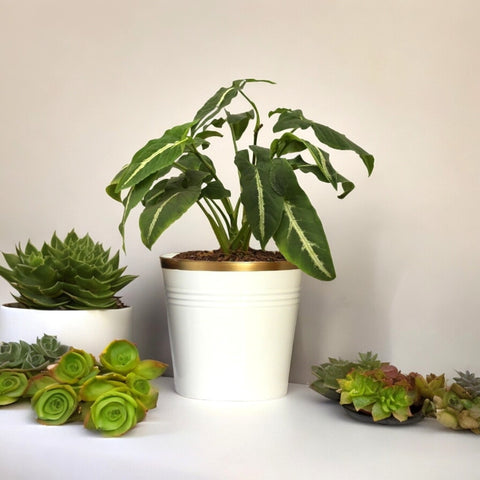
<point>142,390</point>
<point>74,366</point>
<point>114,413</point>
<point>120,356</point>
<point>12,386</point>
<point>55,404</point>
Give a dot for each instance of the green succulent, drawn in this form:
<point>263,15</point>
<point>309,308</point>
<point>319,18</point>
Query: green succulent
<point>373,392</point>
<point>77,387</point>
<point>75,273</point>
<point>330,372</point>
<point>30,357</point>
<point>458,406</point>
<point>469,382</point>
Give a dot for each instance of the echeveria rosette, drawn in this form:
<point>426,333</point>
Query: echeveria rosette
<point>114,413</point>
<point>359,389</point>
<point>55,404</point>
<point>394,401</point>
<point>120,356</point>
<point>369,394</point>
<point>12,386</point>
<point>12,354</point>
<point>74,366</point>
<point>49,347</point>
<point>30,357</point>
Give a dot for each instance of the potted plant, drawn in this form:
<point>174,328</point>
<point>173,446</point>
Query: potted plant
<point>67,288</point>
<point>232,358</point>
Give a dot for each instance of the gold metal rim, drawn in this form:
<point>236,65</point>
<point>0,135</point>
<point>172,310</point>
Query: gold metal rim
<point>187,264</point>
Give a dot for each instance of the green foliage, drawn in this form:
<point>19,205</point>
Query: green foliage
<point>170,174</point>
<point>74,386</point>
<point>75,273</point>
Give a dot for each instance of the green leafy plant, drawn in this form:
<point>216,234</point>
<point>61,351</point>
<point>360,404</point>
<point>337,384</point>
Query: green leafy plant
<point>75,273</point>
<point>107,396</point>
<point>172,173</point>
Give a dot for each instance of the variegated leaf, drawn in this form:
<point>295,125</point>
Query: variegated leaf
<point>263,206</point>
<point>156,155</point>
<point>320,157</point>
<point>221,99</point>
<point>300,236</point>
<point>293,119</point>
<point>170,206</point>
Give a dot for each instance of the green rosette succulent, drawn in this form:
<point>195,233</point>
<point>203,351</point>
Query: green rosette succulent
<point>13,354</point>
<point>142,390</point>
<point>373,392</point>
<point>329,372</point>
<point>55,404</point>
<point>75,273</point>
<point>49,347</point>
<point>74,366</point>
<point>120,356</point>
<point>23,356</point>
<point>12,386</point>
<point>114,413</point>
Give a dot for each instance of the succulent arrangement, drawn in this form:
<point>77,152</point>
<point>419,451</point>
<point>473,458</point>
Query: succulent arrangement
<point>172,173</point>
<point>76,273</point>
<point>456,406</point>
<point>380,390</point>
<point>110,395</point>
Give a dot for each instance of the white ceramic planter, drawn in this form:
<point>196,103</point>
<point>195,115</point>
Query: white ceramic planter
<point>90,330</point>
<point>231,332</point>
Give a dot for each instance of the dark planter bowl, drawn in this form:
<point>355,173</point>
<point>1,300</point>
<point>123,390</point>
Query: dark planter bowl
<point>392,421</point>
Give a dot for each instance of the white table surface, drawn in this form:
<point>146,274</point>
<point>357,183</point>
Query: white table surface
<point>300,436</point>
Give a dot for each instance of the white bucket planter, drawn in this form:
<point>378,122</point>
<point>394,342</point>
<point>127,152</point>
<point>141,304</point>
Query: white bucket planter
<point>231,327</point>
<point>90,330</point>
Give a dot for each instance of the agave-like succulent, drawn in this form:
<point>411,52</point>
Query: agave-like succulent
<point>76,273</point>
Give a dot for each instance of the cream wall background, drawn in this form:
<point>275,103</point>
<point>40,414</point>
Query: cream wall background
<point>85,84</point>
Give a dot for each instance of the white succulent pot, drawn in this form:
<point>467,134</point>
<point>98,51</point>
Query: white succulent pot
<point>231,327</point>
<point>89,330</point>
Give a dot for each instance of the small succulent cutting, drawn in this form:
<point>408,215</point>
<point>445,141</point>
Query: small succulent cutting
<point>382,392</point>
<point>371,386</point>
<point>19,361</point>
<point>76,273</point>
<point>329,372</point>
<point>110,396</point>
<point>457,406</point>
